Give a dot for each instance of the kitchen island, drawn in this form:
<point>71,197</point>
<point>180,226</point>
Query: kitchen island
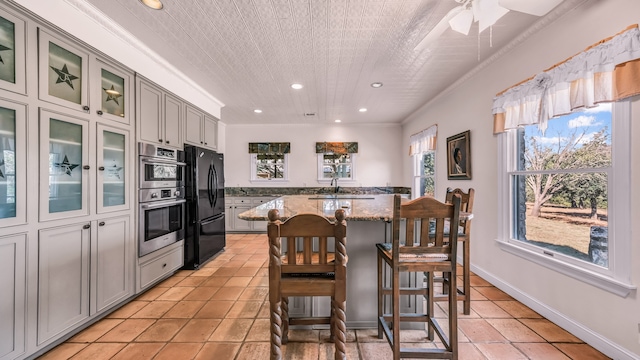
<point>368,222</point>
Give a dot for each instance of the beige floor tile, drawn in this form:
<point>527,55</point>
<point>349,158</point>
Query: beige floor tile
<point>182,351</point>
<point>259,281</point>
<point>375,350</point>
<point>204,272</point>
<point>514,331</point>
<point>368,335</point>
<point>201,293</point>
<point>477,281</point>
<point>541,351</point>
<point>517,309</point>
<point>63,351</point>
<point>192,281</point>
<point>139,351</point>
<point>297,350</point>
<point>247,271</point>
<point>231,330</point>
<point>176,293</point>
<point>488,309</point>
<point>225,271</point>
<point>214,351</point>
<point>302,335</point>
<point>170,281</point>
<point>260,331</point>
<point>233,264</point>
<point>253,263</point>
<point>98,351</point>
<point>184,309</point>
<point>239,281</point>
<point>228,293</point>
<point>127,330</point>
<point>214,309</point>
<point>162,330</point>
<point>244,309</point>
<point>264,312</point>
<point>493,293</point>
<point>216,281</point>
<point>154,310</point>
<point>500,351</point>
<point>549,331</point>
<point>254,293</point>
<point>257,350</point>
<point>327,351</point>
<point>581,351</point>
<point>152,293</point>
<point>475,295</point>
<point>128,310</point>
<point>468,351</point>
<point>95,331</point>
<point>197,330</point>
<point>479,330</point>
<point>183,273</point>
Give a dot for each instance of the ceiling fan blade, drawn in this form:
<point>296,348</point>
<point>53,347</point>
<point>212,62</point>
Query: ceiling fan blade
<point>537,8</point>
<point>437,30</point>
<point>487,12</point>
<point>462,21</point>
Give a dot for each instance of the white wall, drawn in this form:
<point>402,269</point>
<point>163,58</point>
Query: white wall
<point>379,158</point>
<point>607,321</point>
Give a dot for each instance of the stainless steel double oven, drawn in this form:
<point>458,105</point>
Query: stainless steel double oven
<point>161,197</point>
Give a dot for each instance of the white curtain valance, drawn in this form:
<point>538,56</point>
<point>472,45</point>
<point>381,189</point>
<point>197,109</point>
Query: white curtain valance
<point>423,141</point>
<point>584,80</point>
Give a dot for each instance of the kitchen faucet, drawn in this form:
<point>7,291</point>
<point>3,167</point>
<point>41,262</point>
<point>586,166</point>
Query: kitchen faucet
<point>334,181</point>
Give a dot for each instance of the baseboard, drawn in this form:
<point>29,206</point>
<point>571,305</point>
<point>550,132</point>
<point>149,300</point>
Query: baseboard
<point>599,342</point>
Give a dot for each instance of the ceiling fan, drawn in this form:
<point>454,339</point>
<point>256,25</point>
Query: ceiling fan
<point>485,13</point>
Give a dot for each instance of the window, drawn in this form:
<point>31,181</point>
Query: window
<point>269,161</point>
<point>269,167</point>
<point>340,166</point>
<point>559,207</point>
<point>424,173</point>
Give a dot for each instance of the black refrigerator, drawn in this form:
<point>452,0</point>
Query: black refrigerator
<point>204,186</point>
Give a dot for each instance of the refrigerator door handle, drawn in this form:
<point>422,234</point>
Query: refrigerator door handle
<point>212,219</point>
<point>209,188</point>
<point>215,185</point>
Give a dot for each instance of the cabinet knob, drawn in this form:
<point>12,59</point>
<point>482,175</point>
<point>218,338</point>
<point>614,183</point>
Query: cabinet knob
<point>167,141</point>
<point>164,266</point>
<point>87,226</point>
<point>85,108</point>
<point>200,142</point>
<point>101,223</point>
<point>206,143</point>
<point>99,112</point>
<point>86,167</point>
<point>160,140</point>
<point>101,168</point>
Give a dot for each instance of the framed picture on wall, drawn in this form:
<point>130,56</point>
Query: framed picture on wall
<point>459,156</point>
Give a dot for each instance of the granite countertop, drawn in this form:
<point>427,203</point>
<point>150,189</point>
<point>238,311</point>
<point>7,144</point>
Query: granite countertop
<point>357,207</point>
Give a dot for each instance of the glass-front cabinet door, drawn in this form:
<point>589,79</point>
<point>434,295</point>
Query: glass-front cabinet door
<point>12,52</point>
<point>113,169</point>
<point>12,163</point>
<point>64,159</point>
<point>63,72</point>
<point>110,91</point>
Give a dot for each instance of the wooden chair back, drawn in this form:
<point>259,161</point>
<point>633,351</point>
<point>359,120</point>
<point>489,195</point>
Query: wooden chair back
<point>466,205</point>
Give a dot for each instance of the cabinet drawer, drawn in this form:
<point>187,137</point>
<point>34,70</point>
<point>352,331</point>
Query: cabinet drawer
<point>242,201</point>
<point>159,267</point>
<point>261,200</point>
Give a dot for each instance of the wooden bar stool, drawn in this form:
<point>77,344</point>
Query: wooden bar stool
<point>427,247</point>
<point>307,268</point>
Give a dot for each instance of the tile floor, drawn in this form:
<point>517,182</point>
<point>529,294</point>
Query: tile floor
<point>220,312</point>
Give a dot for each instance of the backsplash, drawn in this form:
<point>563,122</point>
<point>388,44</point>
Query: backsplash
<point>279,191</point>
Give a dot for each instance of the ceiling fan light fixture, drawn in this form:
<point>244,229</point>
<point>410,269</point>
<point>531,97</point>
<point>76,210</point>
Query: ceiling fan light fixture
<point>537,8</point>
<point>153,4</point>
<point>462,21</point>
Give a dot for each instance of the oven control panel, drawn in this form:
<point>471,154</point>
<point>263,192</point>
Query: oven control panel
<point>147,195</point>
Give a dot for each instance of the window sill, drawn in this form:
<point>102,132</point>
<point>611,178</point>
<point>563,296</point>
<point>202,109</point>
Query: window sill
<point>601,281</point>
<point>269,180</point>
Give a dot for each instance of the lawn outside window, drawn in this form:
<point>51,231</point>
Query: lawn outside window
<point>564,199</point>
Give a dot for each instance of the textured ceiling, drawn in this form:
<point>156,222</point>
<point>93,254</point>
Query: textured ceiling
<point>247,53</point>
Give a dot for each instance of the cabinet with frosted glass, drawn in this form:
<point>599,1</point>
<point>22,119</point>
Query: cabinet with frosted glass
<point>112,169</point>
<point>111,97</point>
<point>64,166</point>
<point>13,161</point>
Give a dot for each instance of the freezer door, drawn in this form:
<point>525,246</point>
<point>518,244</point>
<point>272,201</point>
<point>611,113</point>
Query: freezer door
<point>211,237</point>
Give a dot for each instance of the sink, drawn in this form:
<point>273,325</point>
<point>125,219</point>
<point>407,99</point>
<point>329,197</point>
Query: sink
<point>340,197</point>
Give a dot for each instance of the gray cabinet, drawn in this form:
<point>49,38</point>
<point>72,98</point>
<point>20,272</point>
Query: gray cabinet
<point>13,265</point>
<point>237,205</point>
<point>201,129</point>
<point>63,279</point>
<point>111,263</point>
<point>159,265</point>
<point>159,115</point>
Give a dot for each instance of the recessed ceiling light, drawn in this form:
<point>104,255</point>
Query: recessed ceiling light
<point>338,120</point>
<point>376,84</point>
<point>257,111</point>
<point>296,86</point>
<point>362,109</point>
<point>154,4</point>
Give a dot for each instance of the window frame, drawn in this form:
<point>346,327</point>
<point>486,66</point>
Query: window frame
<point>320,169</point>
<point>254,169</point>
<point>616,279</point>
<point>416,187</point>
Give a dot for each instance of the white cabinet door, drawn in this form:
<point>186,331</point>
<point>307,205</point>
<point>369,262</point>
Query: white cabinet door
<point>111,91</point>
<point>113,169</point>
<point>111,263</point>
<point>173,122</point>
<point>239,207</point>
<point>63,279</point>
<point>13,157</point>
<point>210,132</point>
<point>64,166</point>
<point>64,72</point>
<point>149,113</point>
<point>193,126</point>
<point>13,264</point>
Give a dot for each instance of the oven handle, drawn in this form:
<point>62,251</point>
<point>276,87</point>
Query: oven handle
<point>162,204</point>
<point>148,160</point>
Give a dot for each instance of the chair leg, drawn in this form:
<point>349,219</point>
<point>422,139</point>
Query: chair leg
<point>430,304</point>
<point>332,324</point>
<point>276,329</point>
<point>380,296</point>
<point>285,320</point>
<point>453,319</point>
<point>340,328</point>
<point>466,277</point>
<point>395,291</point>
